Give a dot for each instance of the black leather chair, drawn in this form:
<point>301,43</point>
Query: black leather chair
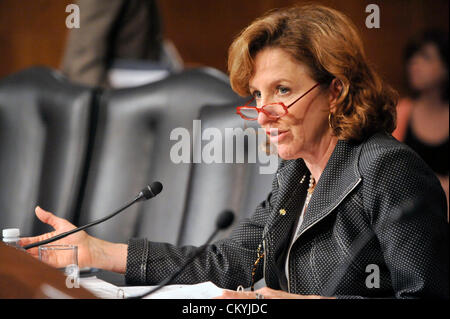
<point>44,136</point>
<point>238,180</point>
<point>132,148</point>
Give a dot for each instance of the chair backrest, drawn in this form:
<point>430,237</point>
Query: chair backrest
<point>235,173</point>
<point>44,135</point>
<point>132,149</point>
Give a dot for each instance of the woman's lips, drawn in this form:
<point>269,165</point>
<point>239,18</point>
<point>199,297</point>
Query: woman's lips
<point>276,135</point>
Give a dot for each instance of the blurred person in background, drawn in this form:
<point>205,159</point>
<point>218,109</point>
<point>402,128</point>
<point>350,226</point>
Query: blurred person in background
<point>423,117</point>
<point>110,30</point>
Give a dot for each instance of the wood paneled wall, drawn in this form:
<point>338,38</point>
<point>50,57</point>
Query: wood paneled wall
<point>33,31</point>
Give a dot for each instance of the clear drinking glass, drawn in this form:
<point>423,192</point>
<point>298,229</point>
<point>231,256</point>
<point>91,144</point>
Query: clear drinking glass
<point>63,257</point>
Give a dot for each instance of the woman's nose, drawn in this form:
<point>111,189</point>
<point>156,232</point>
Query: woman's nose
<point>263,118</point>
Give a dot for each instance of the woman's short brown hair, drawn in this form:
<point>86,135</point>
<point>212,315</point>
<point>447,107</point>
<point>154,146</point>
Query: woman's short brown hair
<point>327,42</point>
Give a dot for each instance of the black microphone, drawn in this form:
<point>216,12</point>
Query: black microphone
<point>148,192</point>
<point>224,220</point>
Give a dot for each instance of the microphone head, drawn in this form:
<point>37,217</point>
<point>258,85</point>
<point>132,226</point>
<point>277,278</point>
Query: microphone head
<point>225,219</point>
<point>151,190</point>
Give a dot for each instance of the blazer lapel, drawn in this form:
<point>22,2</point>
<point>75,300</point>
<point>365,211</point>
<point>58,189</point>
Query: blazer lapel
<point>340,177</point>
<point>293,182</point>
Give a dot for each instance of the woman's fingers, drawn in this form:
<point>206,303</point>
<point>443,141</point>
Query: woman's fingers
<point>265,293</point>
<point>231,294</point>
<point>59,224</point>
<point>47,217</point>
<point>31,240</point>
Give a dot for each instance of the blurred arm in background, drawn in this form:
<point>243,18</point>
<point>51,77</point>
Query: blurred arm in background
<point>126,29</point>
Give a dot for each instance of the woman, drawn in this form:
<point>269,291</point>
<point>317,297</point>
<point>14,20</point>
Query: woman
<point>346,195</point>
<point>423,117</point>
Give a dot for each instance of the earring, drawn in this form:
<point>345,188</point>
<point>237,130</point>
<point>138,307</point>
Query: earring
<point>329,120</point>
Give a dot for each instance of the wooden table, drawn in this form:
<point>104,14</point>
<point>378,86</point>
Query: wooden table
<point>24,276</point>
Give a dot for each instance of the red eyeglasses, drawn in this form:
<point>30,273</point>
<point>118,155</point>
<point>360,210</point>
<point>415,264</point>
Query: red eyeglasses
<point>272,110</point>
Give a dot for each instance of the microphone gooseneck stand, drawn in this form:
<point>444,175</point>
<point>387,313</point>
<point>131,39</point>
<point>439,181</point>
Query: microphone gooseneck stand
<point>224,220</point>
<point>148,192</point>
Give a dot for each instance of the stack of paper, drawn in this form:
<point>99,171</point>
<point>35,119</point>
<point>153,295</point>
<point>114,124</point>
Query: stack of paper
<point>105,290</point>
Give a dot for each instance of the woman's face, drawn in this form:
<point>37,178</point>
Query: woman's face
<point>426,69</point>
<point>278,77</point>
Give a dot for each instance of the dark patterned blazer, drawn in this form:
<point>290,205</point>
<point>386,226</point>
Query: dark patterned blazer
<point>376,226</point>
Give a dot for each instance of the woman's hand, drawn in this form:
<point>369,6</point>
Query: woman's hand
<point>267,293</point>
<point>60,225</point>
<point>92,252</point>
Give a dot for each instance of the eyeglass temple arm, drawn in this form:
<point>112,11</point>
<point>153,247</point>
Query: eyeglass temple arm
<point>303,95</point>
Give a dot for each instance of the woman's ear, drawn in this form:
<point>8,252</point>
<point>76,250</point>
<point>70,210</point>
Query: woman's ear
<point>335,90</point>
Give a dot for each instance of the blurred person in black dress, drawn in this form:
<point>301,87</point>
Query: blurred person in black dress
<point>422,120</point>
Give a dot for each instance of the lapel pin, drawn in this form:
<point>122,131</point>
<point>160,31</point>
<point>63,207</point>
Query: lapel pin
<point>282,212</point>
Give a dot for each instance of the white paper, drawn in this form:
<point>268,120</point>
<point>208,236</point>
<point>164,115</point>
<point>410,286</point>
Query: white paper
<point>204,290</point>
<point>101,288</point>
<point>105,290</point>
